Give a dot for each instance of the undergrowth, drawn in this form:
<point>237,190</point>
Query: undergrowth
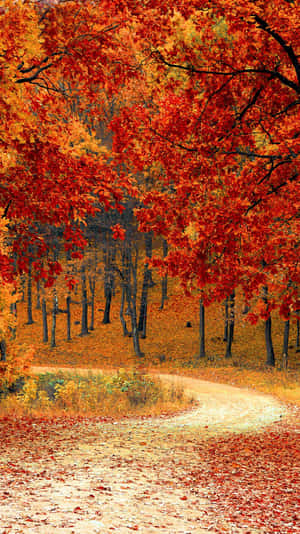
<point>124,393</point>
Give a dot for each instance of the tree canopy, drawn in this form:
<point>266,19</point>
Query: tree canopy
<point>208,115</point>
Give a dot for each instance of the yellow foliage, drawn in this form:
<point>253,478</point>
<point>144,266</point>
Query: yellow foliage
<point>29,393</point>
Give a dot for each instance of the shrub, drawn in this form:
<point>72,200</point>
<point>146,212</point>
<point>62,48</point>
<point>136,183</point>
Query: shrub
<point>140,389</point>
<point>124,392</point>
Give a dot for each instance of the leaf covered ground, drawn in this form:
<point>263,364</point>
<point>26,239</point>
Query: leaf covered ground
<point>75,475</point>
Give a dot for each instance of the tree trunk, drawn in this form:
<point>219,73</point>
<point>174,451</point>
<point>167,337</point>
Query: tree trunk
<point>53,328</point>
<point>146,284</point>
<point>225,336</point>
<point>148,250</point>
<point>29,294</point>
<point>45,323</point>
<point>108,281</point>
<point>92,284</point>
<point>135,332</point>
<point>143,308</point>
<point>228,353</point>
<point>68,302</point>
<point>38,295</point>
<point>122,319</point>
<point>108,297</point>
<point>201,329</point>
<point>268,334</point>
<point>13,310</point>
<point>131,292</point>
<point>3,350</point>
<point>164,281</point>
<point>269,344</point>
<point>285,348</point>
<point>84,304</point>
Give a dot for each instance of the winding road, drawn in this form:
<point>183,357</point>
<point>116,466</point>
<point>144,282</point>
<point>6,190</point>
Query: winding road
<point>127,476</point>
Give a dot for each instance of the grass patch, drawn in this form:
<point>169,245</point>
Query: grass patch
<point>127,392</point>
<point>282,384</point>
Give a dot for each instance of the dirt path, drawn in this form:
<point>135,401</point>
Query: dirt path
<point>127,476</point>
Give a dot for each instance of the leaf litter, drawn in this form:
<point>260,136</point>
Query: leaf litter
<point>230,465</point>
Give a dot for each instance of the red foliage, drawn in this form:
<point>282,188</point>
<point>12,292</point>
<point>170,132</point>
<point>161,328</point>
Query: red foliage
<point>118,232</point>
<point>219,136</point>
<point>252,481</point>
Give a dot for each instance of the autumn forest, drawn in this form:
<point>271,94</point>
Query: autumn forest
<point>150,229</point>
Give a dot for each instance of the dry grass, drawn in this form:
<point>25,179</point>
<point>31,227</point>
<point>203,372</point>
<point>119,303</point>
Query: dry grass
<point>88,394</point>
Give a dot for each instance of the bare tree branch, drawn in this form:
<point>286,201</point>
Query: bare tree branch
<point>287,48</point>
<point>193,70</point>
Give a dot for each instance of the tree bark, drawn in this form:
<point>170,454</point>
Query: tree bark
<point>268,334</point>
<point>45,322</point>
<point>68,303</point>
<point>285,347</point>
<point>108,281</point>
<point>230,333</point>
<point>147,282</point>
<point>122,318</point>
<point>164,281</point>
<point>29,294</point>
<point>108,297</point>
<point>53,328</point>
<point>38,295</point>
<point>84,304</point>
<point>3,350</point>
<point>131,293</point>
<point>225,336</point>
<point>201,330</point>
<point>13,310</point>
<point>269,344</point>
<point>92,284</point>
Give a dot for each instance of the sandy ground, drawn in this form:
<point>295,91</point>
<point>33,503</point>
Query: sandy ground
<point>126,476</point>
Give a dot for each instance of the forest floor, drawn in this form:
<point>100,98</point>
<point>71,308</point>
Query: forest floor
<point>231,465</point>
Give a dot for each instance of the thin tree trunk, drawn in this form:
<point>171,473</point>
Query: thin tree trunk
<point>144,302</point>
<point>92,284</point>
<point>122,319</point>
<point>29,294</point>
<point>53,328</point>
<point>225,336</point>
<point>68,303</point>
<point>148,250</point>
<point>201,329</point>
<point>269,344</point>
<point>13,310</point>
<point>228,353</point>
<point>108,282</point>
<point>268,334</point>
<point>131,292</point>
<point>164,281</point>
<point>134,327</point>
<point>84,304</point>
<point>108,297</point>
<point>45,322</point>
<point>38,295</point>
<point>3,350</point>
<point>143,309</point>
<point>285,348</point>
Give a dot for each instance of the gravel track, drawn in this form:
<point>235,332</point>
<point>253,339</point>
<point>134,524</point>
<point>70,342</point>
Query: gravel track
<point>127,476</point>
